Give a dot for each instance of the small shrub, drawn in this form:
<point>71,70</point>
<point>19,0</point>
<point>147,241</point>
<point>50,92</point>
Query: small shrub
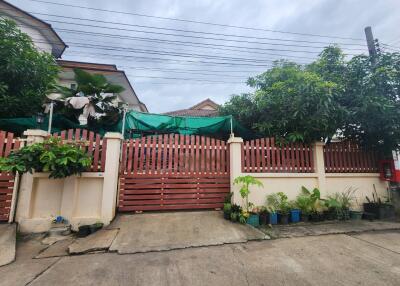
<point>60,160</point>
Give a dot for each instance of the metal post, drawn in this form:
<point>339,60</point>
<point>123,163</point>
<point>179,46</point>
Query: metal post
<point>232,135</point>
<point>50,117</point>
<point>371,44</point>
<point>123,122</point>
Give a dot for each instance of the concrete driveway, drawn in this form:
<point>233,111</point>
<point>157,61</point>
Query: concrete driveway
<point>176,230</point>
<point>317,260</point>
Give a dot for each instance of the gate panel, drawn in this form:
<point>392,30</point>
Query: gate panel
<point>7,180</point>
<point>173,172</point>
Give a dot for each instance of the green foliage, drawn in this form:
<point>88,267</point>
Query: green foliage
<point>61,160</point>
<point>26,75</point>
<point>100,93</point>
<point>227,208</point>
<point>330,97</point>
<point>246,182</point>
<point>278,202</point>
<point>304,203</point>
<point>314,197</point>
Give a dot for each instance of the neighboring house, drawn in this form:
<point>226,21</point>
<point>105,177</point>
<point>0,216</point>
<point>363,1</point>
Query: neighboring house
<point>206,108</point>
<point>46,39</point>
<point>113,75</point>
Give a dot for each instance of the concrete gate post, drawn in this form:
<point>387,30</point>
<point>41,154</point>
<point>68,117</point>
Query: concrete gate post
<point>235,163</point>
<point>111,172</point>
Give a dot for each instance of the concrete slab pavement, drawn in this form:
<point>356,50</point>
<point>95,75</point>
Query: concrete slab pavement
<point>318,260</point>
<point>165,231</point>
<point>99,241</point>
<point>388,240</point>
<point>25,268</point>
<point>329,227</point>
<point>7,243</point>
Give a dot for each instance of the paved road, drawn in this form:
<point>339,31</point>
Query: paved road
<point>365,259</point>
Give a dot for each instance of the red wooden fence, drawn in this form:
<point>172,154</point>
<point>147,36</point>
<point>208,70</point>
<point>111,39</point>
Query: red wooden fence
<point>347,157</point>
<point>173,172</point>
<point>264,155</point>
<point>7,180</point>
<point>92,142</point>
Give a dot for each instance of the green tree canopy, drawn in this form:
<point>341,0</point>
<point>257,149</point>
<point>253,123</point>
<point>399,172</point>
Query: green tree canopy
<point>26,74</point>
<point>332,96</point>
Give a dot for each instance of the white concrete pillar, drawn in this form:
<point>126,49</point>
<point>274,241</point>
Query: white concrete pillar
<point>111,173</point>
<point>235,163</point>
<point>319,166</point>
<point>24,203</point>
<point>35,136</point>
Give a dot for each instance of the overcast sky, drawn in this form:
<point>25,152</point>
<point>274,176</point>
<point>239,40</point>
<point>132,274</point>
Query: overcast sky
<point>172,69</point>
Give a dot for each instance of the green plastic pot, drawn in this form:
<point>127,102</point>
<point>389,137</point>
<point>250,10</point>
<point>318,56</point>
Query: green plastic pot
<point>356,215</point>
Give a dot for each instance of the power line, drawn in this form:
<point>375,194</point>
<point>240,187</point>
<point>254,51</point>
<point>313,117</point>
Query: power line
<point>189,36</point>
<point>185,55</point>
<point>197,22</point>
<point>193,31</point>
<point>175,42</point>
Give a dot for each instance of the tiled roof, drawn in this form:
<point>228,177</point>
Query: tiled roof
<point>193,112</point>
<point>198,110</point>
<point>83,65</point>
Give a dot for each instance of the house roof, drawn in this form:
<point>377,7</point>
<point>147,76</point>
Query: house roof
<point>109,71</point>
<point>89,66</point>
<point>205,108</point>
<point>58,45</point>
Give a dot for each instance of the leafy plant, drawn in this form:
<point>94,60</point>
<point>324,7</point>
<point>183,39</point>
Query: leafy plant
<point>61,160</point>
<point>278,202</point>
<point>347,198</point>
<point>316,203</point>
<point>246,182</point>
<point>272,202</point>
<point>304,203</point>
<point>26,74</point>
<point>227,207</point>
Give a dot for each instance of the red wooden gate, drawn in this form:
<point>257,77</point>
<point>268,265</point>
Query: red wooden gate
<point>7,180</point>
<point>173,172</point>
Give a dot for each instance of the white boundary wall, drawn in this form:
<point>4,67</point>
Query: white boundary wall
<point>291,183</point>
<point>84,199</point>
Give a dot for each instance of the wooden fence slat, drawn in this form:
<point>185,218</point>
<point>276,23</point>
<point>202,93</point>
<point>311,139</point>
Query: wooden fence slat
<point>9,144</point>
<point>2,140</point>
<point>212,159</point>
<point>218,157</point>
<point>96,154</point>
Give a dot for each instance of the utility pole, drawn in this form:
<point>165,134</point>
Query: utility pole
<point>371,44</point>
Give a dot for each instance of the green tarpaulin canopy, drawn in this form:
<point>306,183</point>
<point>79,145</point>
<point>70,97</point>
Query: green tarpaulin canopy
<point>138,123</point>
<point>209,126</point>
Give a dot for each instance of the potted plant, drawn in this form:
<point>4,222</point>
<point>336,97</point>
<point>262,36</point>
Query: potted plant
<point>356,214</point>
<point>346,199</point>
<point>253,217</point>
<point>227,210</point>
<point>263,214</point>
<point>294,212</point>
<point>246,182</point>
<point>378,208</point>
<point>272,206</point>
<point>236,210</point>
<point>304,203</point>
<point>316,206</point>
<point>283,208</point>
<point>334,207</point>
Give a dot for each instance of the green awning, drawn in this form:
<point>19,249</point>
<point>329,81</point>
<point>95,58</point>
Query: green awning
<point>141,124</point>
<point>209,126</point>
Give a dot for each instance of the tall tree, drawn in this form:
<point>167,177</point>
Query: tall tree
<point>332,96</point>
<point>26,74</point>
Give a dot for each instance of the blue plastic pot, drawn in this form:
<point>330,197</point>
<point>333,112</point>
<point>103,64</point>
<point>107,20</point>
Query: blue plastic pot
<point>273,218</point>
<point>253,220</point>
<point>295,216</point>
